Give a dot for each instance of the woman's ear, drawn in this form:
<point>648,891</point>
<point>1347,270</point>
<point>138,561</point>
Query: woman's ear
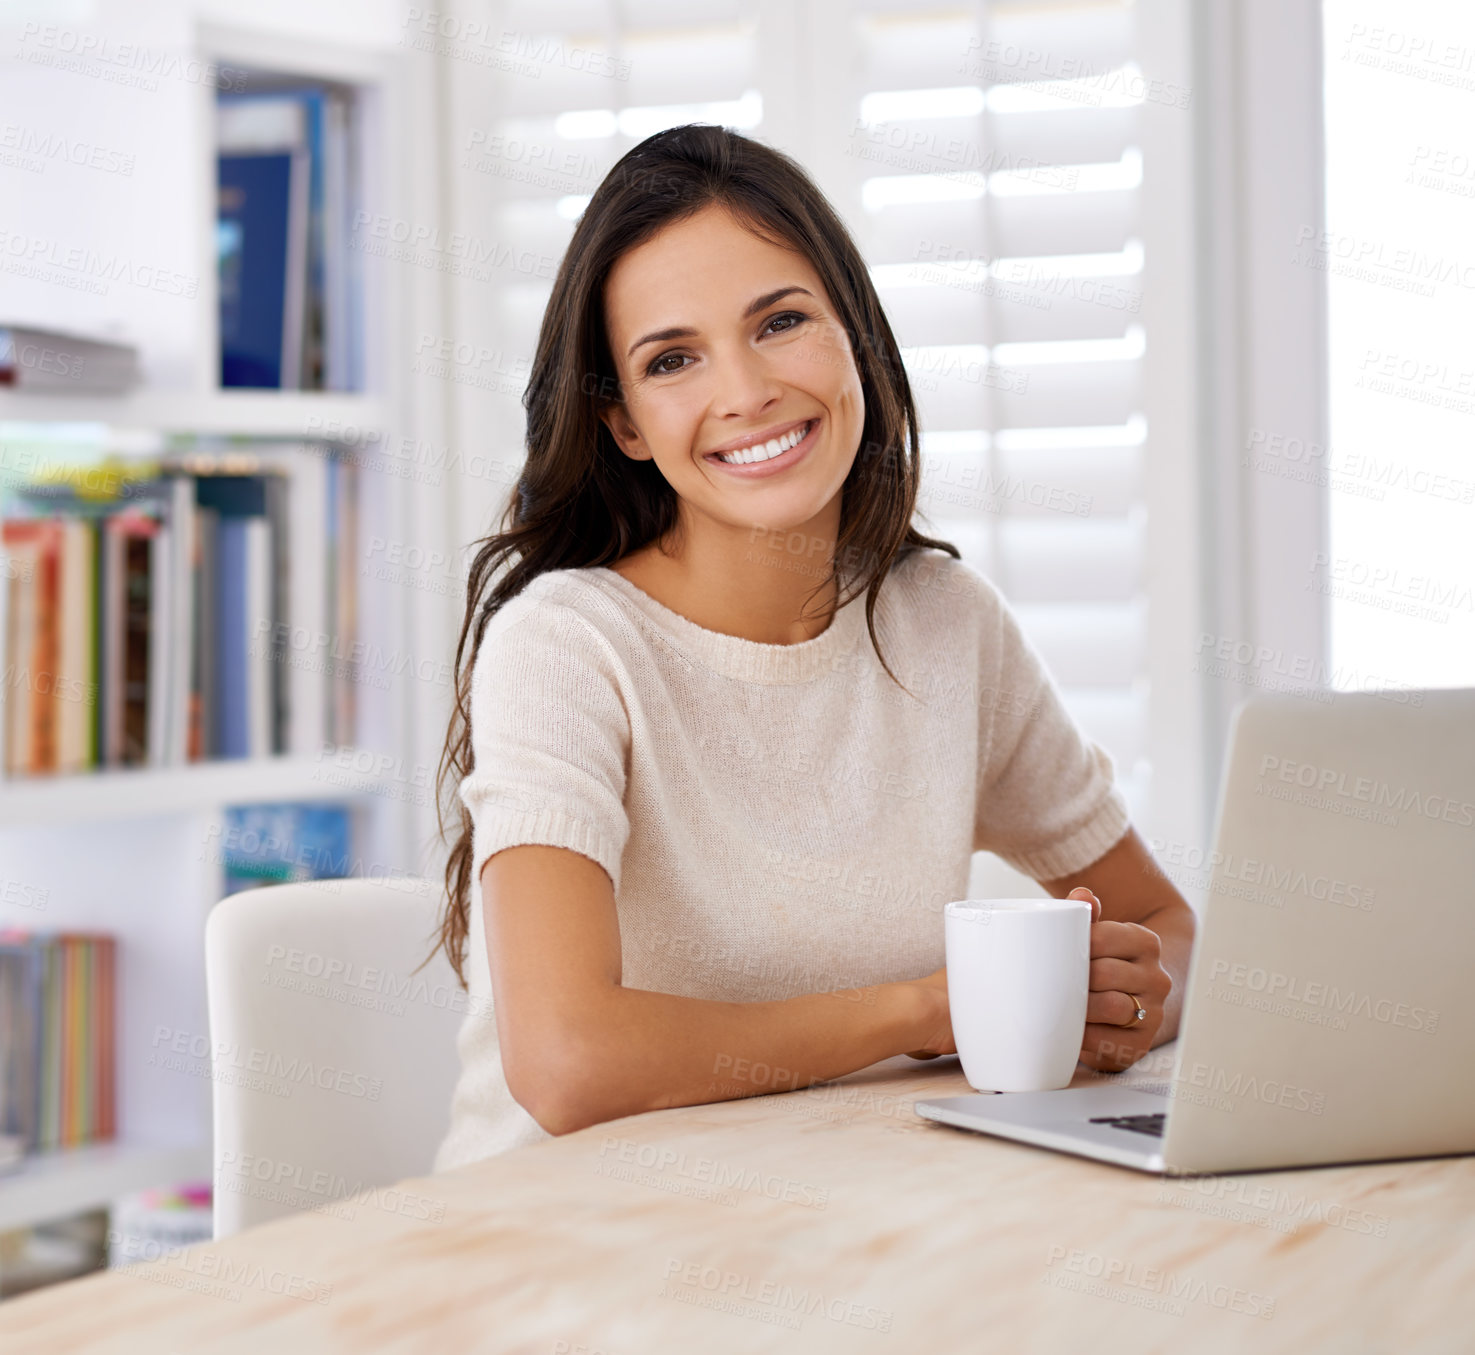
<point>627,437</point>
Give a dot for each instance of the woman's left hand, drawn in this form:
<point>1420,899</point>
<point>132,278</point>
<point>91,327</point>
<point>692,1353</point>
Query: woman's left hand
<point>1126,961</point>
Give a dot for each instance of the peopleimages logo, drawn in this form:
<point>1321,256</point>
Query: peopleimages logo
<point>227,1055</point>
<point>1269,1091</point>
<point>338,973</point>
<point>686,1279</point>
<point>1273,984</point>
<point>1172,1285</point>
<point>1369,790</point>
<point>1266,875</point>
<point>236,1170</point>
<point>665,1160</point>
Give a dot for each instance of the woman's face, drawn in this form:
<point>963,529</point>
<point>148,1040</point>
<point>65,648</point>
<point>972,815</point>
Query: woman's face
<point>752,363</point>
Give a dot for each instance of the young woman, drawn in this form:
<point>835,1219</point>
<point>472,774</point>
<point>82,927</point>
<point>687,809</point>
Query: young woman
<point>706,833</point>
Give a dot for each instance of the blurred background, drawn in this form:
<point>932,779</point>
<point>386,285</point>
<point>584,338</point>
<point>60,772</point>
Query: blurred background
<point>1186,293</point>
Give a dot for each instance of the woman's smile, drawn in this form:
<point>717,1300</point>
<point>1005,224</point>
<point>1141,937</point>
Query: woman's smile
<point>772,456</point>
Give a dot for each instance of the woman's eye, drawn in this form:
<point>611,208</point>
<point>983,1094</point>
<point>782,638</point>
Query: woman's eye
<point>795,316</point>
<point>657,368</point>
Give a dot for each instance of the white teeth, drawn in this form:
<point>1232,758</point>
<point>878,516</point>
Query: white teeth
<point>768,450</point>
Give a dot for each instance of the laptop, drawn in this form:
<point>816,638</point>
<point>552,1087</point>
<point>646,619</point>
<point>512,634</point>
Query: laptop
<point>1330,1008</point>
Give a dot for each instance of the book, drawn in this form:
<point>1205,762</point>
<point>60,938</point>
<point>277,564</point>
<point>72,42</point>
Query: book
<point>161,570</point>
<point>178,628</point>
<point>262,261</point>
<point>75,689</point>
<point>111,613</point>
<point>284,843</point>
<point>7,570</point>
<point>203,714</point>
<point>20,1035</point>
<point>107,1041</point>
<point>313,127</point>
<point>134,537</point>
<point>232,737</point>
<point>343,588</point>
<point>341,285</point>
<point>32,643</point>
<point>262,728</point>
<point>50,1077</point>
<point>21,557</point>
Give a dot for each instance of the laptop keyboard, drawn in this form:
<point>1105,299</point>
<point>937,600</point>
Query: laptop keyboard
<point>1138,1124</point>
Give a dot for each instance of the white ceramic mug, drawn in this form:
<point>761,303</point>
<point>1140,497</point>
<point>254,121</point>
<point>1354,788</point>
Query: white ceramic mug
<point>1018,973</point>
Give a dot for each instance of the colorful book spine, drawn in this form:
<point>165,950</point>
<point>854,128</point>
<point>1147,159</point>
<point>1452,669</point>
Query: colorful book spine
<point>58,1043</point>
<point>32,644</point>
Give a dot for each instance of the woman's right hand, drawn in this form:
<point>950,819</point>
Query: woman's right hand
<point>936,1027</point>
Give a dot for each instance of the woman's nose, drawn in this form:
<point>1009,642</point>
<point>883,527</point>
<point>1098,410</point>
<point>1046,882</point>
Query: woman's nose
<point>746,382</point>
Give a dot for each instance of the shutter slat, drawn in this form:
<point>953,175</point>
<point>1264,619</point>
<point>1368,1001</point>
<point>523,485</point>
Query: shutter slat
<point>643,14</point>
<point>974,306</point>
<point>1046,41</point>
<point>608,17</point>
<point>1042,306</point>
<point>912,232</point>
<point>1073,223</point>
<point>911,51</point>
<point>1068,393</point>
<point>1108,479</point>
<point>548,68</point>
<point>696,66</point>
<point>556,16</point>
<point>1086,645</point>
<point>1071,483</point>
<point>987,142</point>
<point>1072,136</point>
<point>948,315</point>
<point>1085,559</point>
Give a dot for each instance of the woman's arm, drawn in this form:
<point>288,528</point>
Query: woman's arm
<point>579,1049</point>
<point>1141,942</point>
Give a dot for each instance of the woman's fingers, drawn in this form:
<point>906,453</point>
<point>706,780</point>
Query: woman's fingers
<point>1125,940</point>
<point>1128,976</point>
<point>1112,1009</point>
<point>1110,1049</point>
<point>1081,892</point>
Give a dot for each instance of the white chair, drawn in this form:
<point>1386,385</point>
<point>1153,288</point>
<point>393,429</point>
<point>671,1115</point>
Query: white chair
<point>333,1062</point>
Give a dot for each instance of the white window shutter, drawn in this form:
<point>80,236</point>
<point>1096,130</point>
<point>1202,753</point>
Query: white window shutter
<point>989,160</point>
<point>992,173</point>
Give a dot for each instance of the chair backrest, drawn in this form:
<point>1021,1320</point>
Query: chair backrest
<point>333,1063</point>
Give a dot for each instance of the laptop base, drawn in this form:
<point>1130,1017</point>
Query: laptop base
<point>1063,1121</point>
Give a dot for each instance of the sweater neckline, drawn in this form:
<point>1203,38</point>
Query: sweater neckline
<point>734,655</point>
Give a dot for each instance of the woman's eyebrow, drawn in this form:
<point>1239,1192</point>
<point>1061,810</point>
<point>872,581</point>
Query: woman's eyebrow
<point>679,332</point>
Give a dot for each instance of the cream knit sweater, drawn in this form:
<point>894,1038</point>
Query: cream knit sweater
<point>775,819</point>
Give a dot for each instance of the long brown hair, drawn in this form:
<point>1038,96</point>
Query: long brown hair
<point>579,502</point>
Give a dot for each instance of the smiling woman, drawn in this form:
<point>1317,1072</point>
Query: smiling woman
<point>693,811</point>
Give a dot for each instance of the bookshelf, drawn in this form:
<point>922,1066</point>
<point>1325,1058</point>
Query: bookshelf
<point>68,1181</point>
<point>238,413</point>
<point>128,850</point>
<point>126,793</point>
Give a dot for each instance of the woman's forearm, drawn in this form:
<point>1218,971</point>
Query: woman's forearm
<point>637,1050</point>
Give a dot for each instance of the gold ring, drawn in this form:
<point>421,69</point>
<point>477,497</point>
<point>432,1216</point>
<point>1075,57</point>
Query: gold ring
<point>1141,1013</point>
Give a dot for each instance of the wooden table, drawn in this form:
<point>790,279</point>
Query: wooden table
<point>830,1219</point>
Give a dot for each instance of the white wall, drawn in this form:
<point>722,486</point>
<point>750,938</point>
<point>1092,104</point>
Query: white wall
<point>110,249</point>
<point>1400,563</point>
